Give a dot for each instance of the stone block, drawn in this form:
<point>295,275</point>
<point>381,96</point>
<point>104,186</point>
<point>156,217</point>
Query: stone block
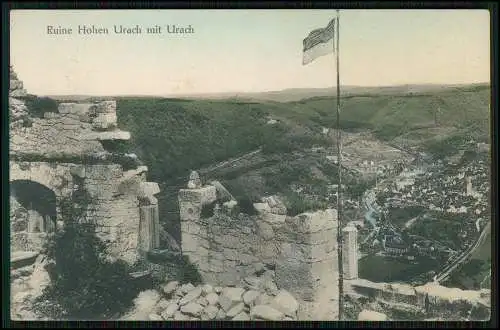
<point>51,115</point>
<point>15,84</point>
<point>148,189</point>
<point>105,136</point>
<point>105,120</point>
<point>367,315</point>
<point>18,93</point>
<point>311,222</point>
<point>105,107</point>
<point>78,171</point>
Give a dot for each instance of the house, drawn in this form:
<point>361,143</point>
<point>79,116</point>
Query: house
<point>394,245</point>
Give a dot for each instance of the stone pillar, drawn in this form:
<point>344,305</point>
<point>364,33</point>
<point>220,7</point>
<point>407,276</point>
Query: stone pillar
<point>307,264</point>
<point>468,186</point>
<point>149,228</point>
<point>194,229</point>
<point>350,252</point>
<point>149,220</point>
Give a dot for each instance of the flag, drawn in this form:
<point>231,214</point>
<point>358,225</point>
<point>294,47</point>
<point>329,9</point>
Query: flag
<point>317,43</point>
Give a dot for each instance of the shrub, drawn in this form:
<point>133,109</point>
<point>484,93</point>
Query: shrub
<point>85,285</point>
<point>37,106</point>
<point>296,204</point>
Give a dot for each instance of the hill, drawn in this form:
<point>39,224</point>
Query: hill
<point>174,136</point>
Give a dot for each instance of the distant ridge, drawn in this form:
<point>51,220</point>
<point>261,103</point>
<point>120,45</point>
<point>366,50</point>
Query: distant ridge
<point>295,94</point>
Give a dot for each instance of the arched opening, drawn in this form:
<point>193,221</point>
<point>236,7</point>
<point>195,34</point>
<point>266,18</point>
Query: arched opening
<point>33,207</point>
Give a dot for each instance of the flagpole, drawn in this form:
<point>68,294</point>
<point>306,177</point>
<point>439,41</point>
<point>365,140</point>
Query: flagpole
<point>339,187</point>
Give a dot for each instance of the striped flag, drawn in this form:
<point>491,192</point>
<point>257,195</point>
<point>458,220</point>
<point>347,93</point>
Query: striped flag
<point>318,43</point>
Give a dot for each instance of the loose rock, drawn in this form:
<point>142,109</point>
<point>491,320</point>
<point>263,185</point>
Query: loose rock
<point>209,313</point>
<point>170,310</point>
<point>285,303</point>
<point>192,309</point>
<point>155,317</point>
<point>178,316</point>
<point>202,301</point>
<point>185,288</point>
<point>170,287</point>
<point>367,315</point>
<point>206,289</point>
<point>235,310</point>
<point>250,296</point>
<point>263,299</point>
<point>221,315</point>
<point>190,296</point>
<point>212,298</point>
<point>241,317</point>
<point>266,313</point>
<point>230,297</point>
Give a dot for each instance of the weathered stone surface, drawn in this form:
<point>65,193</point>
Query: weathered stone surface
<point>234,294</point>
<point>202,301</point>
<point>161,305</point>
<point>209,313</point>
<point>285,303</point>
<point>147,189</point>
<point>367,315</point>
<point>194,180</point>
<point>212,298</point>
<point>190,296</point>
<point>155,317</point>
<point>270,287</point>
<point>206,289</point>
<point>105,136</point>
<point>221,315</point>
<point>263,299</point>
<point>179,316</point>
<point>185,288</point>
<point>241,317</point>
<point>192,309</point>
<point>170,310</point>
<point>266,312</point>
<point>276,205</point>
<point>265,230</point>
<point>249,297</point>
<point>235,310</point>
<point>170,287</point>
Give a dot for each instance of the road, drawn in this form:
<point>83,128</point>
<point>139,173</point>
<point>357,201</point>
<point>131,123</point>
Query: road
<point>464,256</point>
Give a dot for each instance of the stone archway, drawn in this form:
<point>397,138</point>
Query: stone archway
<point>33,213</point>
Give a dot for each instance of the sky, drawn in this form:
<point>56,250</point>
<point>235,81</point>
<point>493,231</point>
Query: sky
<point>244,50</point>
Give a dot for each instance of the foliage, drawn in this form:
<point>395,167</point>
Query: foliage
<point>38,106</point>
<point>85,284</point>
<point>297,204</point>
<point>125,161</point>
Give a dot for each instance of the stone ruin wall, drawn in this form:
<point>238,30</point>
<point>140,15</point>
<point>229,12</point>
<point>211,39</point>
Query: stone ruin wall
<point>64,149</point>
<point>432,300</point>
<point>230,246</point>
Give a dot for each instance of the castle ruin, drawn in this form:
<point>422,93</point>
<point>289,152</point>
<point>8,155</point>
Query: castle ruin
<point>60,151</point>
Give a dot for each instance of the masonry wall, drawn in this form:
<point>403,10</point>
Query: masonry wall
<point>64,148</point>
<point>113,192</point>
<point>230,246</point>
<point>429,301</point>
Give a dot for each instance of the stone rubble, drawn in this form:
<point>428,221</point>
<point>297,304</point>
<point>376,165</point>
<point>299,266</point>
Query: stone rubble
<point>204,302</point>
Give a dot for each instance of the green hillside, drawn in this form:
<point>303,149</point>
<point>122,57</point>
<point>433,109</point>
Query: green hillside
<point>174,136</point>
